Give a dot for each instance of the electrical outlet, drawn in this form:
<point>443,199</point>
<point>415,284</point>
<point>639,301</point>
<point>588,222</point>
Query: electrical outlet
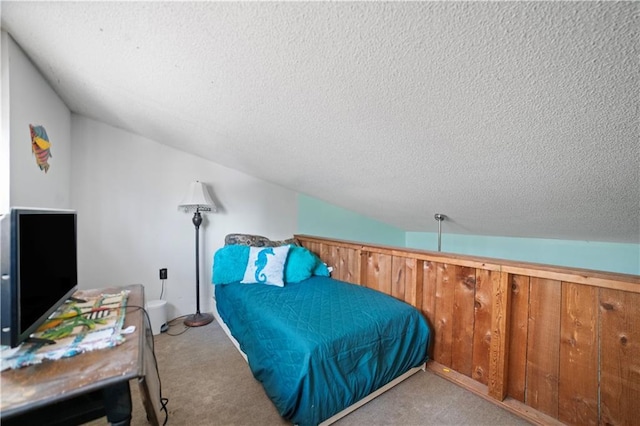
<point>163,273</point>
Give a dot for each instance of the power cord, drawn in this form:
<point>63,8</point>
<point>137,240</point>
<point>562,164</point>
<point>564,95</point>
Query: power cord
<point>171,323</point>
<point>162,290</point>
<point>163,401</point>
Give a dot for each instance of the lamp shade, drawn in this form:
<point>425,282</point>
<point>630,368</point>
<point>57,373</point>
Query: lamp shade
<point>197,198</point>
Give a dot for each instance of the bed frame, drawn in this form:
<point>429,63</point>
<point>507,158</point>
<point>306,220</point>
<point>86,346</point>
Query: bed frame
<point>350,408</point>
<point>553,345</point>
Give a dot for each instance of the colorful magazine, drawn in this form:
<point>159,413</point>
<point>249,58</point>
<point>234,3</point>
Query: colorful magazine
<point>77,326</point>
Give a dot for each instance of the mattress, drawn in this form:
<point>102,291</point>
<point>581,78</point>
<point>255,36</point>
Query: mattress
<point>320,345</point>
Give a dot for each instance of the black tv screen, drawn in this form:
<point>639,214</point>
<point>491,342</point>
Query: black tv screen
<point>39,268</point>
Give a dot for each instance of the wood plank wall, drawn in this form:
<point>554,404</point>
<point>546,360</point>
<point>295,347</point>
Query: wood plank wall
<point>552,344</point>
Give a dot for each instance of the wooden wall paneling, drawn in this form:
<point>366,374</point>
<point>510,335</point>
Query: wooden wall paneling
<point>325,254</point>
<point>518,331</point>
<point>547,316</point>
<point>443,318</point>
<point>601,279</point>
<point>578,380</point>
<point>311,246</point>
<point>378,269</point>
<point>334,259</point>
<point>482,324</point>
<point>338,253</point>
<point>428,307</point>
<point>620,357</point>
<point>339,264</point>
<point>398,277</point>
<point>414,282</point>
<point>325,249</point>
<point>612,280</point>
<point>429,286</point>
<point>463,319</point>
<point>352,273</point>
<point>543,345</point>
<point>406,280</point>
<point>317,248</point>
<point>498,353</point>
<point>314,247</point>
<point>364,268</point>
<point>369,269</point>
<point>384,275</point>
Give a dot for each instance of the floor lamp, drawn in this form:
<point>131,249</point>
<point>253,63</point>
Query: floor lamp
<point>197,200</point>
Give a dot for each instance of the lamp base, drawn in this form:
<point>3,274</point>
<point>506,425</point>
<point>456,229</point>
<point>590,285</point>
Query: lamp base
<point>198,319</point>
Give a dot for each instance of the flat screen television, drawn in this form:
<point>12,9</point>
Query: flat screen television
<point>39,268</point>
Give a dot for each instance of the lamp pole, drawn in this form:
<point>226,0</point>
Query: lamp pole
<point>197,319</point>
<point>197,220</point>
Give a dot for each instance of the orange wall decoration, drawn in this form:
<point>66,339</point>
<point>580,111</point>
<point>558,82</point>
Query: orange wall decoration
<point>40,146</point>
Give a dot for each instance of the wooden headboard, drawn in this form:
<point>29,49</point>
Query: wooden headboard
<point>551,344</point>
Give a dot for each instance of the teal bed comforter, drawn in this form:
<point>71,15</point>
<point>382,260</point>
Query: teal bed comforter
<point>320,345</point>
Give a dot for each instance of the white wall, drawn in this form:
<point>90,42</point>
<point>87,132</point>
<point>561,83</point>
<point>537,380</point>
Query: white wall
<point>126,189</point>
<point>32,101</point>
<point>5,118</point>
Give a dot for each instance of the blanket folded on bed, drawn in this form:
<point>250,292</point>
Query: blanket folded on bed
<point>320,345</point>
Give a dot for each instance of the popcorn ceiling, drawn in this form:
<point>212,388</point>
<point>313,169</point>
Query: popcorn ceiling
<point>512,118</point>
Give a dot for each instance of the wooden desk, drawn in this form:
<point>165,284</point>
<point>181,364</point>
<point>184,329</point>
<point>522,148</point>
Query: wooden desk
<point>48,385</point>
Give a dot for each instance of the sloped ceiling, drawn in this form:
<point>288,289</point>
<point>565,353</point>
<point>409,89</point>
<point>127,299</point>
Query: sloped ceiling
<point>511,118</point>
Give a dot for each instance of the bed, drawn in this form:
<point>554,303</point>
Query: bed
<point>319,346</point>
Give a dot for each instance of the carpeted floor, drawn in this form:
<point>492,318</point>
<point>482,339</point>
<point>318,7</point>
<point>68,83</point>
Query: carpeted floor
<point>208,383</point>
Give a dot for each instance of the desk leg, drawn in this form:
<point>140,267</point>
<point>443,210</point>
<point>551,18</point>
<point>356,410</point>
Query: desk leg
<point>117,404</point>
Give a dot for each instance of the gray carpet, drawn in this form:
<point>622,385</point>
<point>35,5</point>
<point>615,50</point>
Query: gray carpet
<point>208,383</point>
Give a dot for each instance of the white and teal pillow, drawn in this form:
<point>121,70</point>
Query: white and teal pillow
<point>266,265</point>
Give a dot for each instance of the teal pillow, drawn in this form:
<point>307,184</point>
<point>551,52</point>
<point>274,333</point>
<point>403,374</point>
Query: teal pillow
<point>229,264</point>
<point>300,264</point>
<point>321,269</point>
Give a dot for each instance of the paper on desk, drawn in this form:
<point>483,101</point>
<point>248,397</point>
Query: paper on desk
<point>98,335</point>
<point>129,330</point>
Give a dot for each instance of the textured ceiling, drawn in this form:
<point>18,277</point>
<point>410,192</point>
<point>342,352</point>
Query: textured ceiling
<point>511,118</point>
